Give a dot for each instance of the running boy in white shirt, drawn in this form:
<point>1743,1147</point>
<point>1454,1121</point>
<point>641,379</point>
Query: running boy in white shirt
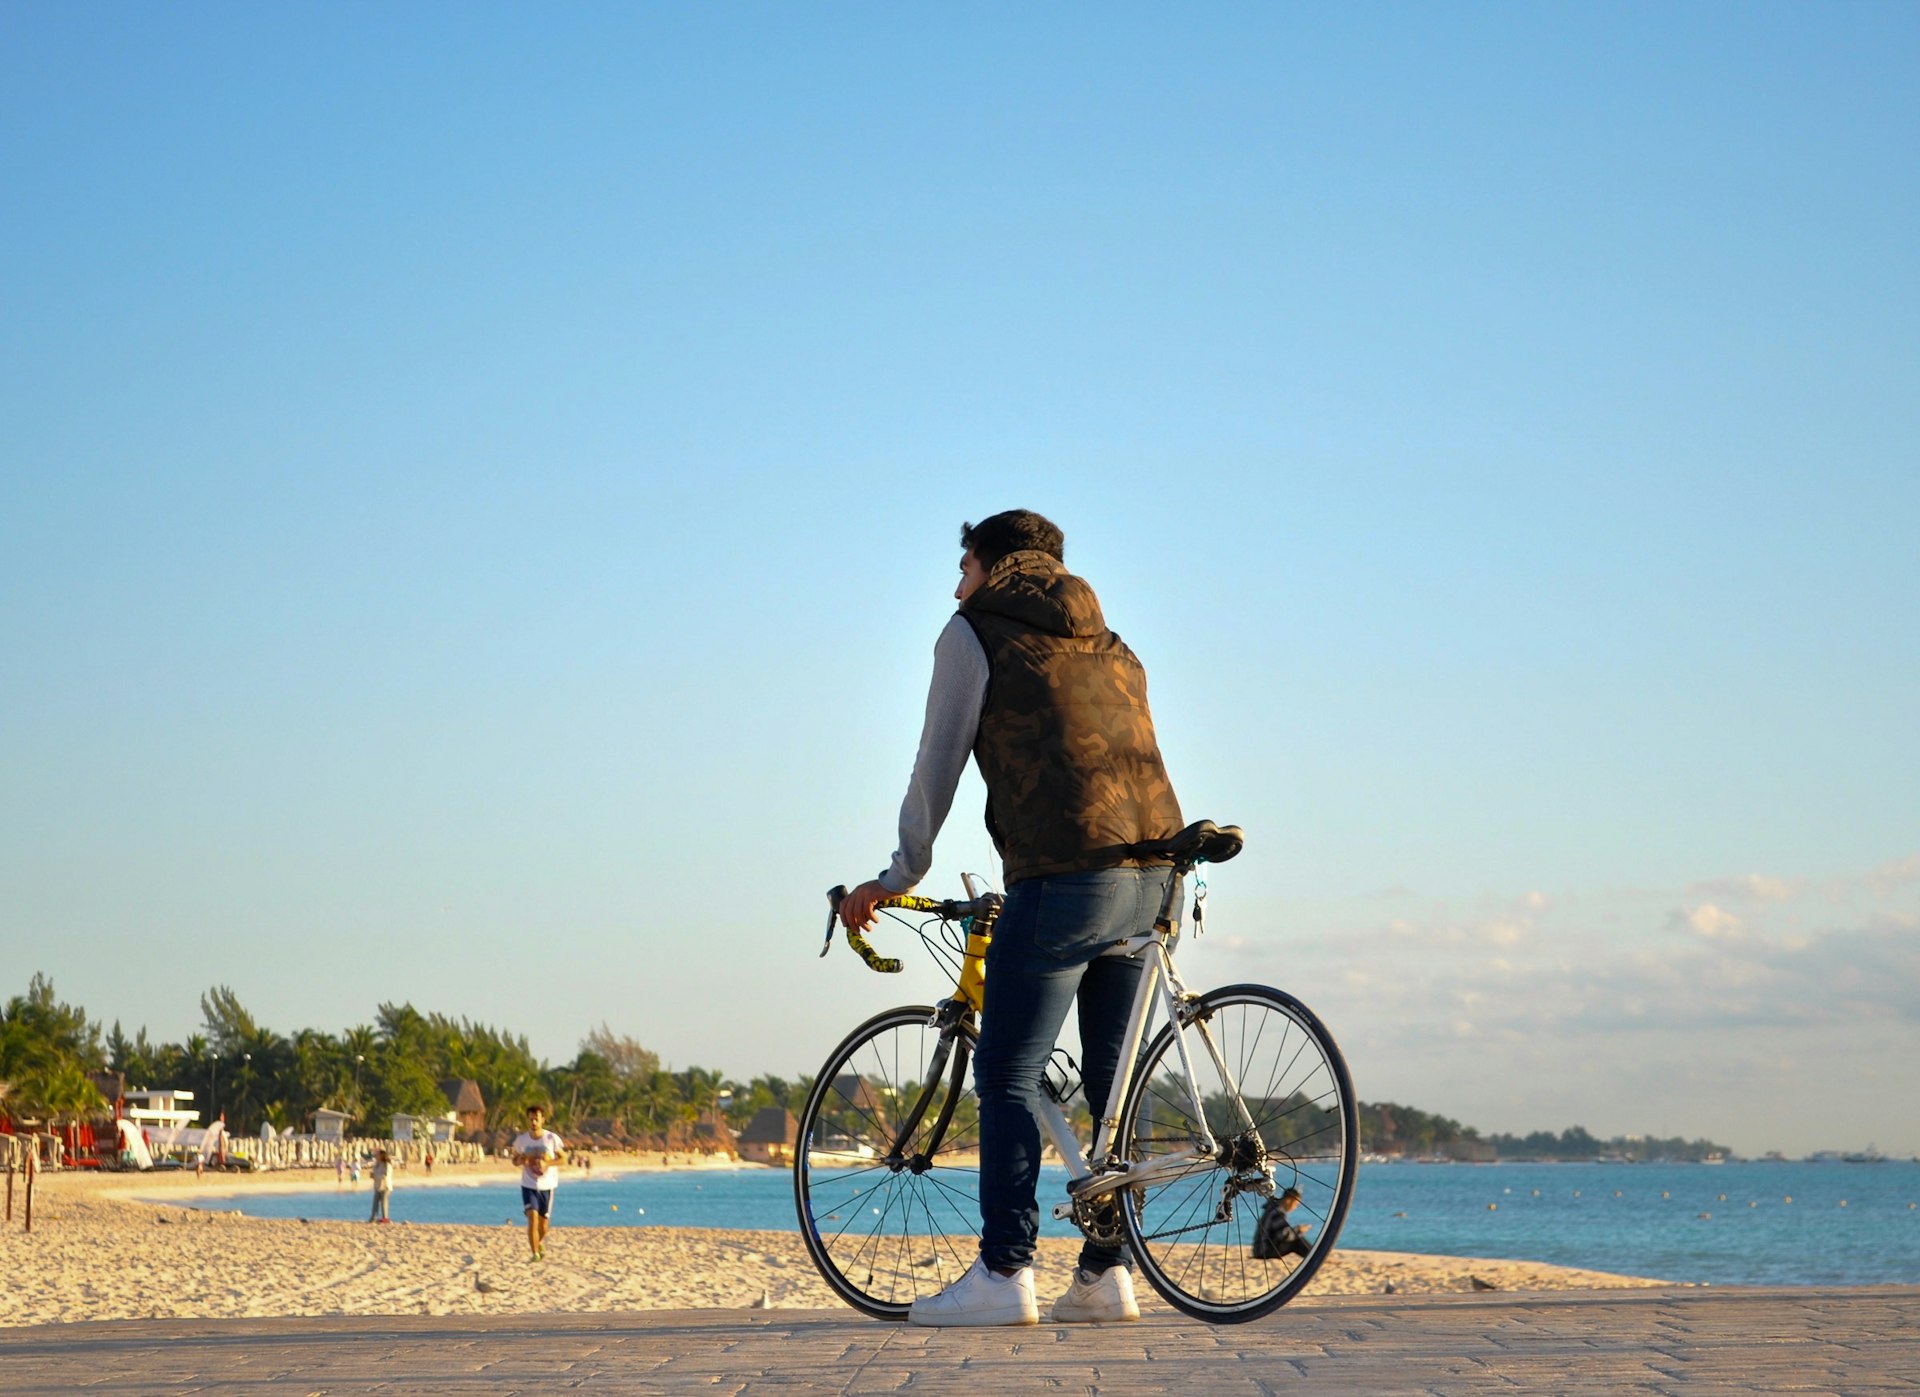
<point>537,1151</point>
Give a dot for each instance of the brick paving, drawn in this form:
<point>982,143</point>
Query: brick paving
<point>1658,1341</point>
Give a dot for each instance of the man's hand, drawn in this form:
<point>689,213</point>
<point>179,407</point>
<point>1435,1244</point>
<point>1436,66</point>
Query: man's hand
<point>856,908</point>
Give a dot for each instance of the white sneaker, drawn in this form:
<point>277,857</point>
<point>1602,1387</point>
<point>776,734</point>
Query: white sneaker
<point>979,1298</point>
<point>1097,1299</point>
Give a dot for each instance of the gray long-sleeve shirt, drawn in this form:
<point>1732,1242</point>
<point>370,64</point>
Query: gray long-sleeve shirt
<point>955,698</point>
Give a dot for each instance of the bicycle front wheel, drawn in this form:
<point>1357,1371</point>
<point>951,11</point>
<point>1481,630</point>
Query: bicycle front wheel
<point>886,1174</point>
<point>1217,1239</point>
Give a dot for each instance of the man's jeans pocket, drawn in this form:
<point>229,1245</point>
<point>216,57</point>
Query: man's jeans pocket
<point>1079,916</point>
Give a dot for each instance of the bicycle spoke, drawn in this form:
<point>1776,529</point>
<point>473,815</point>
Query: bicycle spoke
<point>1194,1235</point>
<point>896,1234</point>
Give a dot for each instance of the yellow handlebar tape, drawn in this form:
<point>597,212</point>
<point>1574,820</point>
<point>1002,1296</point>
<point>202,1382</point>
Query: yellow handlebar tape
<point>886,965</point>
<point>889,965</point>
<point>910,903</point>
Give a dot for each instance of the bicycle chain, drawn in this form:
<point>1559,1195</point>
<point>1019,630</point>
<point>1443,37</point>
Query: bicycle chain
<point>1197,1227</point>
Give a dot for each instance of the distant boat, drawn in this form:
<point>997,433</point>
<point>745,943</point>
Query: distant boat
<point>1713,1157</point>
<point>1870,1155</point>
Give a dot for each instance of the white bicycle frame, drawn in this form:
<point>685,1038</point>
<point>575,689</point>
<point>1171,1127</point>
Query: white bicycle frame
<point>1159,982</point>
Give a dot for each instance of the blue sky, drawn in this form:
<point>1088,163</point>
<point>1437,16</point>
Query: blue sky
<point>479,485</point>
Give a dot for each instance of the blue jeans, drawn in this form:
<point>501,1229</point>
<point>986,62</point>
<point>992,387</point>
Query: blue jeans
<point>1045,956</point>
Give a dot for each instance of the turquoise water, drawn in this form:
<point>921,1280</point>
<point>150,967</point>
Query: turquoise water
<point>1848,1224</point>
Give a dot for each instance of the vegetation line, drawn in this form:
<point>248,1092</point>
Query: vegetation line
<point>396,1065</point>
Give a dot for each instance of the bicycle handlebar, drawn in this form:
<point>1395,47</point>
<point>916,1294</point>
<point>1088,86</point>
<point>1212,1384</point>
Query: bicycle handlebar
<point>948,909</point>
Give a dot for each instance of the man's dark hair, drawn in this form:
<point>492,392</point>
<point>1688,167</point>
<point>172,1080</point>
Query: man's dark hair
<point>1012,531</point>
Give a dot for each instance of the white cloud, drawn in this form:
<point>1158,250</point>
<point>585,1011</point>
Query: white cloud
<point>1709,922</point>
<point>1892,877</point>
<point>1576,994</point>
<point>1749,887</point>
<point>1502,933</point>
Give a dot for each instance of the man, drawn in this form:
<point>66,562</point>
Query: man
<point>537,1151</point>
<point>1053,707</point>
<point>1275,1235</point>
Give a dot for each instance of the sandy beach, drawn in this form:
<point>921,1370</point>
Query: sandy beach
<point>95,1253</point>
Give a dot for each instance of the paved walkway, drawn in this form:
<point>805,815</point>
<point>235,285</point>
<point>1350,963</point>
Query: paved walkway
<point>1691,1341</point>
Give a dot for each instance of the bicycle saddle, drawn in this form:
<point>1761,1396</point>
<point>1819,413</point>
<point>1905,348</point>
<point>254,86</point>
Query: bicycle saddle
<point>1200,842</point>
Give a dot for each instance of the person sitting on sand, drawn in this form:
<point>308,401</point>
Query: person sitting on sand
<point>382,1188</point>
<point>538,1151</point>
<point>1275,1235</point>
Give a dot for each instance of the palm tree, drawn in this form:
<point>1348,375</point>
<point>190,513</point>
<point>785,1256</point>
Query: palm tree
<point>202,1066</point>
<point>66,1091</point>
<point>359,1057</point>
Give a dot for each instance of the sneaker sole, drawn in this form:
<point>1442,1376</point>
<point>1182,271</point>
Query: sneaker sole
<point>975,1321</point>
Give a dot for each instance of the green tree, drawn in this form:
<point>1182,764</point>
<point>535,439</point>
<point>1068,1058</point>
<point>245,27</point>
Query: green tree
<point>230,1028</point>
<point>624,1057</point>
<point>47,1047</point>
<point>132,1058</point>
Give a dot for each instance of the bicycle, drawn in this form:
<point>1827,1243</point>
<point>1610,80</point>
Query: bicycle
<point>1198,1164</point>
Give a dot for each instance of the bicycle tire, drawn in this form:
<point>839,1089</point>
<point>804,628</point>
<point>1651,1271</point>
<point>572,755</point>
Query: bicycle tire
<point>1193,1236</point>
<point>883,1232</point>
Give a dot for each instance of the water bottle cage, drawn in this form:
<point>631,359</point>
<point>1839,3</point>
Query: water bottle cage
<point>1062,1076</point>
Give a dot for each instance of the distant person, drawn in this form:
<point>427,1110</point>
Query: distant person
<point>1275,1235</point>
<point>382,1188</point>
<point>340,1171</point>
<point>353,1171</point>
<point>538,1152</point>
<point>429,1161</point>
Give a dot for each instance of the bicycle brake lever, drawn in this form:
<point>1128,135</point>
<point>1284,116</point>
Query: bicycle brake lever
<point>834,894</point>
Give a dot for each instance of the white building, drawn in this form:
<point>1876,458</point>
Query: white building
<point>438,1129</point>
<point>329,1125</point>
<point>154,1108</point>
<point>163,1121</point>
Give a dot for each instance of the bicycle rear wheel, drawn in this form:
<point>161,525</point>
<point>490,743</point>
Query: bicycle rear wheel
<point>886,1175</point>
<point>1194,1236</point>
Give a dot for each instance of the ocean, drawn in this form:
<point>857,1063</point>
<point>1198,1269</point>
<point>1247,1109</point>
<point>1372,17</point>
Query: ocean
<point>1731,1224</point>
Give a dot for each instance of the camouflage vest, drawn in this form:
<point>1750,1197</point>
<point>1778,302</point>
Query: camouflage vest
<point>1066,742</point>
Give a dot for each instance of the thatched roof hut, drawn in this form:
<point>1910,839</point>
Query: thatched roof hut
<point>466,1102</point>
<point>770,1136</point>
<point>851,1089</point>
<point>602,1131</point>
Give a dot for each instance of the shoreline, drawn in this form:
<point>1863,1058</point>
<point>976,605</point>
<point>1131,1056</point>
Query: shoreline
<point>97,1254</point>
<point>162,1186</point>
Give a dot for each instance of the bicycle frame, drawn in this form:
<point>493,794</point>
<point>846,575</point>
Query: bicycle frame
<point>1160,983</point>
<point>1195,1179</point>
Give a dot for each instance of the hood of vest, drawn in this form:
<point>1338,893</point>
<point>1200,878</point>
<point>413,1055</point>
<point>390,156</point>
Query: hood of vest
<point>1036,590</point>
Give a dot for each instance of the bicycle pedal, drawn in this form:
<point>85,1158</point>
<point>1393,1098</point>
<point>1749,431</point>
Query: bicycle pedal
<point>1062,1211</point>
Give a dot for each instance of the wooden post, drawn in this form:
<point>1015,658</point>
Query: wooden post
<point>9,1185</point>
<point>32,1155</point>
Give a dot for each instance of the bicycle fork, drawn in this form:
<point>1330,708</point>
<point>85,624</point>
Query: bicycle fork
<point>951,1050</point>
